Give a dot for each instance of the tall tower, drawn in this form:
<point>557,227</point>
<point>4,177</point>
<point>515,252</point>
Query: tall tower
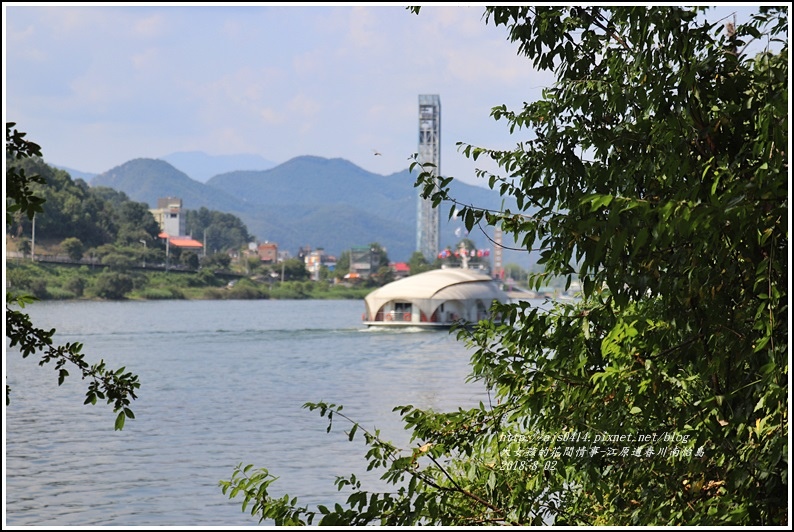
<point>498,269</point>
<point>428,217</point>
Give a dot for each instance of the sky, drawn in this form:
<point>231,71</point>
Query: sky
<point>97,86</point>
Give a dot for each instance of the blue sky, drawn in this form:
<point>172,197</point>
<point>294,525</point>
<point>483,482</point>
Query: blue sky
<point>97,86</point>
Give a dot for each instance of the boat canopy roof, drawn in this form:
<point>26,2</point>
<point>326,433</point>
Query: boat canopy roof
<point>430,289</point>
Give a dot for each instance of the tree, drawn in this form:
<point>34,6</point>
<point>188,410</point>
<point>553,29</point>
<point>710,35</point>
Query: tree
<point>71,209</point>
<point>342,264</point>
<point>380,271</point>
<point>378,256</point>
<point>295,270</point>
<point>19,192</point>
<point>418,263</point>
<point>73,247</point>
<point>656,174</point>
<point>115,386</point>
<point>24,246</point>
<point>191,260</point>
<point>113,285</point>
<point>216,261</point>
<point>135,223</point>
<point>221,231</point>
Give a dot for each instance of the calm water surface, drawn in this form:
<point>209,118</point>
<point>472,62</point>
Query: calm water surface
<point>223,382</point>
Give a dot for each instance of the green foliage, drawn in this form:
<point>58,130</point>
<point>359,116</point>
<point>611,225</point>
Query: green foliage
<point>292,290</point>
<point>342,264</point>
<point>19,184</point>
<point>113,285</point>
<point>216,261</point>
<point>69,209</point>
<point>73,247</point>
<point>38,288</point>
<point>24,245</point>
<point>95,216</point>
<point>221,231</point>
<point>76,285</point>
<point>253,487</point>
<point>205,277</point>
<point>383,275</point>
<point>135,223</point>
<point>379,258</point>
<point>119,261</point>
<point>59,281</point>
<point>58,293</point>
<point>190,259</point>
<point>418,263</point>
<point>161,293</point>
<point>295,270</point>
<point>114,385</point>
<point>247,289</point>
<point>117,387</point>
<point>655,173</point>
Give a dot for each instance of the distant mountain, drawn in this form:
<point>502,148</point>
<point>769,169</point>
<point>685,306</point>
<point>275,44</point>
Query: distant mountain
<point>310,180</point>
<point>328,203</point>
<point>201,166</point>
<point>147,180</point>
<point>76,174</point>
<point>319,180</point>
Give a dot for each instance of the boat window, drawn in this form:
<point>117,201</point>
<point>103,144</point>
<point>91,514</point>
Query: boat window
<point>402,307</point>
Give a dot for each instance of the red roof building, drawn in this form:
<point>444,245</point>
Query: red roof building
<point>400,269</point>
<point>183,242</point>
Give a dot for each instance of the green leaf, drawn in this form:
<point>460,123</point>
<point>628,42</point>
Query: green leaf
<point>120,420</point>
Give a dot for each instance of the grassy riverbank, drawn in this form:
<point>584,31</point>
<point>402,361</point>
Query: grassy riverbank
<point>63,281</point>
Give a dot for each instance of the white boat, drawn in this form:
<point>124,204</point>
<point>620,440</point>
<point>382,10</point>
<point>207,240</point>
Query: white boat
<point>437,298</point>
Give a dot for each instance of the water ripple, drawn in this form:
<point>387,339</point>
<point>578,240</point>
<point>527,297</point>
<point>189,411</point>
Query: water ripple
<point>222,383</point>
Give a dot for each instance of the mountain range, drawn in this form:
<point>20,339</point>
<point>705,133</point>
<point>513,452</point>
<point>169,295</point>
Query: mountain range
<point>308,201</point>
<point>201,166</point>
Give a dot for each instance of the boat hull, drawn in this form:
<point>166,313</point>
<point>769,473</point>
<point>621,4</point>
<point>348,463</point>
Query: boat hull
<point>408,324</point>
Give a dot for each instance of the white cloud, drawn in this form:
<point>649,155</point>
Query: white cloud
<point>145,59</point>
<point>309,63</point>
<point>276,81</point>
<point>270,116</point>
<point>304,106</point>
<point>362,29</point>
<point>149,26</point>
<point>21,36</point>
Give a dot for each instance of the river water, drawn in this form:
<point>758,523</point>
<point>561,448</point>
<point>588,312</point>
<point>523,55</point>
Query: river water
<point>222,382</point>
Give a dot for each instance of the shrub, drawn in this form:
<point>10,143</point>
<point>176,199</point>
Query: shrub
<point>73,247</point>
<point>76,285</point>
<point>157,293</point>
<point>113,285</point>
<point>245,289</point>
<point>38,288</point>
<point>56,292</point>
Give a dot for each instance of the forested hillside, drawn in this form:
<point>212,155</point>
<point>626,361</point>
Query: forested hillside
<point>105,221</point>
